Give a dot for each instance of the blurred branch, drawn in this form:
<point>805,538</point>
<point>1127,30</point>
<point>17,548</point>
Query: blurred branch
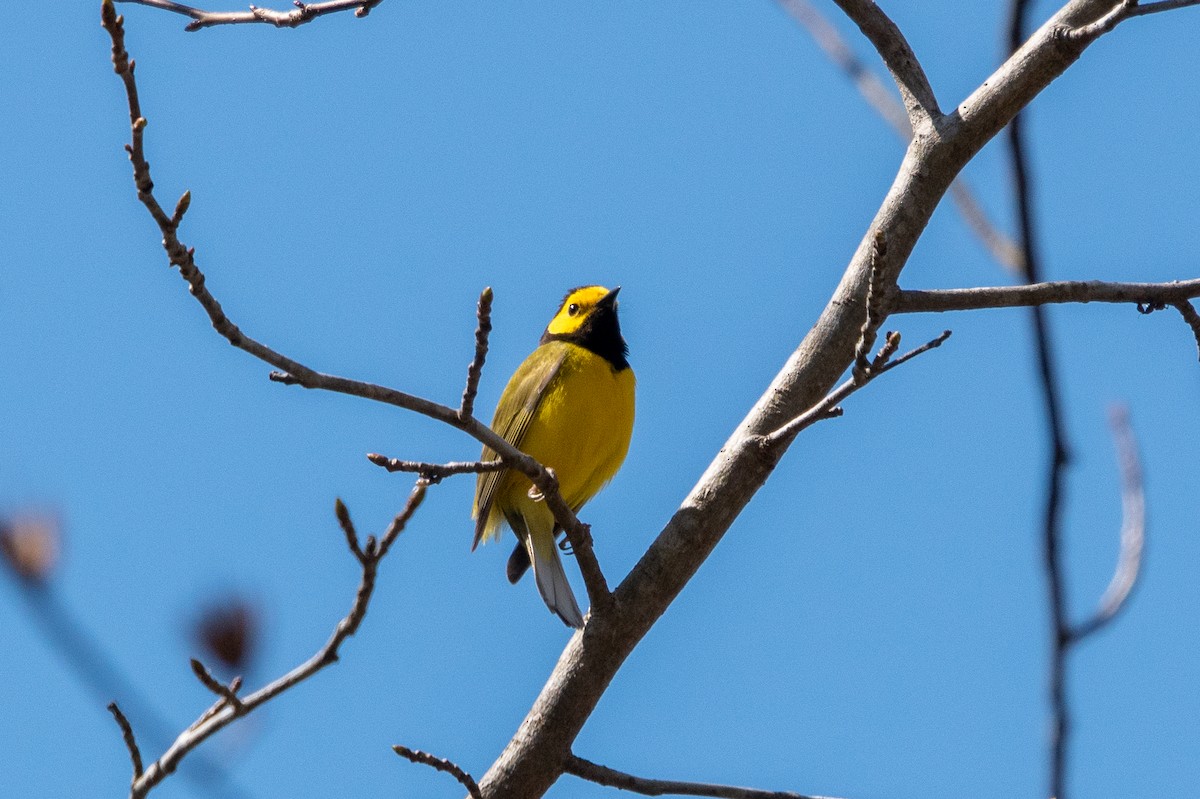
<point>1052,511</point>
<point>91,664</point>
<point>1133,528</point>
<point>303,12</point>
<point>443,765</point>
<point>1033,294</point>
<point>603,775</point>
<point>881,98</point>
<point>294,373</point>
<point>230,707</point>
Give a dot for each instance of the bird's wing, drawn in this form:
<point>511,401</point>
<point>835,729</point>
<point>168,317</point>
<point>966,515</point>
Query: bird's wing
<point>518,405</point>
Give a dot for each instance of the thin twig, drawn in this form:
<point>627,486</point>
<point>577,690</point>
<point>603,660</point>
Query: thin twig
<point>1034,294</point>
<point>1141,9</point>
<point>484,314</point>
<point>343,516</point>
<point>227,693</point>
<point>302,13</point>
<point>1188,312</point>
<point>603,775</point>
<point>1133,528</point>
<point>135,754</point>
<point>884,101</point>
<point>435,472</point>
<point>294,373</point>
<point>231,707</point>
<point>876,315</point>
<point>827,408</point>
<point>443,765</point>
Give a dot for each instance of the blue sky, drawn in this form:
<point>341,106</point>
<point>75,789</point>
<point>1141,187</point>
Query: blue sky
<point>873,625</point>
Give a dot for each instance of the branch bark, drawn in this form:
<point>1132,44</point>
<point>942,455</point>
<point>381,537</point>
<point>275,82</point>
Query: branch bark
<point>535,756</point>
<point>301,14</point>
<point>1031,294</point>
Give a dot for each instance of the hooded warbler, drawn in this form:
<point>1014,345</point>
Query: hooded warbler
<point>570,406</point>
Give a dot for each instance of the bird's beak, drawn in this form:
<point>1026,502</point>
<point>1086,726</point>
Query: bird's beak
<point>609,300</point>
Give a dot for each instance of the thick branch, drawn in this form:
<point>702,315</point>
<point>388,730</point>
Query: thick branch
<point>901,62</point>
<point>302,13</point>
<point>884,101</point>
<point>536,755</point>
<point>1062,291</point>
<point>603,775</point>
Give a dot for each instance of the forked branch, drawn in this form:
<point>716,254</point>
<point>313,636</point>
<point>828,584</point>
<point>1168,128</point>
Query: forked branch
<point>229,706</point>
<point>292,372</point>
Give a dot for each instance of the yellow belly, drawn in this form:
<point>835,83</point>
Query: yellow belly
<point>581,430</point>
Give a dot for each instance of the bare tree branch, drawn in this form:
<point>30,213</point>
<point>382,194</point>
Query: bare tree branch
<point>535,756</point>
<point>228,709</point>
<point>443,765</point>
<point>484,314</point>
<point>898,57</point>
<point>828,407</point>
<point>135,754</point>
<point>1188,312</point>
<point>294,373</point>
<point>302,13</point>
<point>882,99</point>
<point>1133,528</point>
<point>226,693</point>
<point>435,472</point>
<point>1034,294</point>
<point>603,775</point>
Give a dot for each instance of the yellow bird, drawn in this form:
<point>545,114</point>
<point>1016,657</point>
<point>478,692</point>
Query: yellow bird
<point>570,406</point>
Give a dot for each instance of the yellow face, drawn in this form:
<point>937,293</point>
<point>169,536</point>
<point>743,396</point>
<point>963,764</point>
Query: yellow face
<point>576,307</point>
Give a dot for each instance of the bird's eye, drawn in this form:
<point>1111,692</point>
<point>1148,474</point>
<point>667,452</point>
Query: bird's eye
<point>573,308</point>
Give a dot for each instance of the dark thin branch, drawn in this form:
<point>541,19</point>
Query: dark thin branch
<point>898,57</point>
<point>484,314</point>
<point>435,472</point>
<point>294,373</point>
<point>1056,469</point>
<point>231,707</point>
<point>1133,528</point>
<point>302,13</point>
<point>135,755</point>
<point>603,775</point>
<point>1188,312</point>
<point>443,765</point>
<point>884,101</point>
<point>828,408</point>
<point>1034,294</point>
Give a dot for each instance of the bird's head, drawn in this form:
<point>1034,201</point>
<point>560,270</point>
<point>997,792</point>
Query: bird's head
<point>588,317</point>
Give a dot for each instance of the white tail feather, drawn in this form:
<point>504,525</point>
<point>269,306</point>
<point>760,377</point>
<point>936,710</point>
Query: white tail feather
<point>553,585</point>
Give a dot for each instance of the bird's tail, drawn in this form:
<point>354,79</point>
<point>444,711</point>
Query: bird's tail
<point>552,580</point>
